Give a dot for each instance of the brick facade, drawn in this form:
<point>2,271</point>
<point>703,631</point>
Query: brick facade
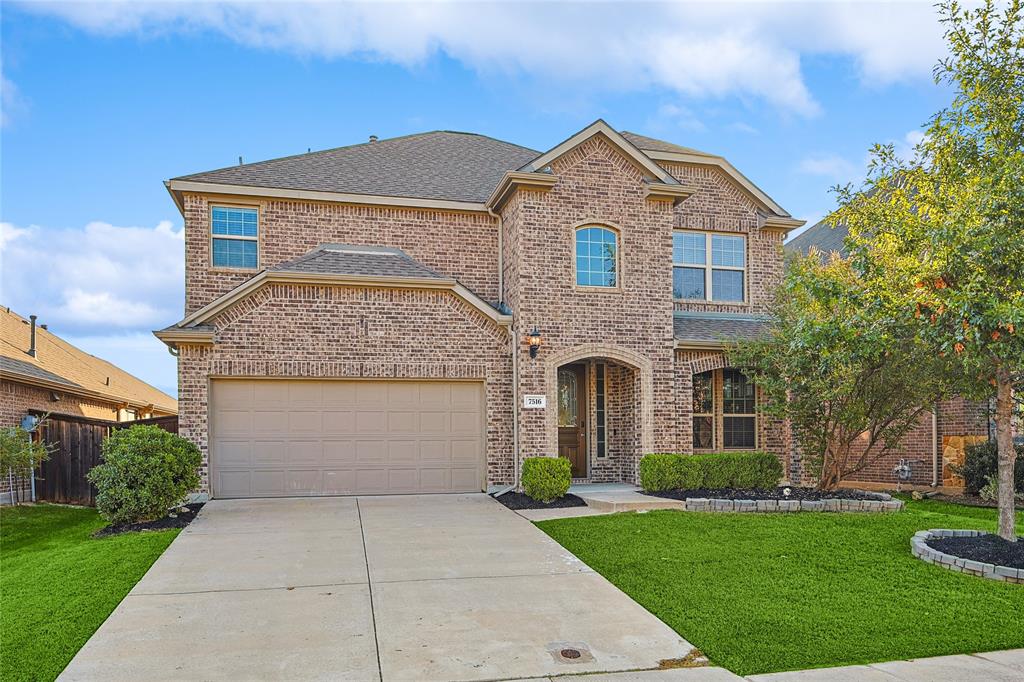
<point>292,330</point>
<point>16,399</point>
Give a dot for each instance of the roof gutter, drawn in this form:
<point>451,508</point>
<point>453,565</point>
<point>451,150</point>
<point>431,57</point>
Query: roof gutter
<point>80,391</point>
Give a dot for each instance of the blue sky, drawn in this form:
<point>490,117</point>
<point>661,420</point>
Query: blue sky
<point>102,102</point>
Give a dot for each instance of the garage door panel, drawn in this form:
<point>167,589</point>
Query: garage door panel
<point>277,437</point>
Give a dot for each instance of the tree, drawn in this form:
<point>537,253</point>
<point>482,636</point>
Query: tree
<point>939,238</point>
<point>851,380</point>
<point>19,452</point>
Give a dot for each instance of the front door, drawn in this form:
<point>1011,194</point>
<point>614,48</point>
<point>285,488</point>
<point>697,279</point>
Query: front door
<point>572,413</point>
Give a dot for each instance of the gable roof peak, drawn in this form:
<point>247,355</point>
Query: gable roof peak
<point>601,127</point>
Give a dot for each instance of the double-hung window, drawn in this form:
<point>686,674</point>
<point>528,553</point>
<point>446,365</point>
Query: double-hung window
<point>709,267</point>
<point>724,411</point>
<point>235,237</point>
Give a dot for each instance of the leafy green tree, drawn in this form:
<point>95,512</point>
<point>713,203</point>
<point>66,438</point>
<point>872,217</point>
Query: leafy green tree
<point>850,379</point>
<point>939,238</point>
<point>19,452</point>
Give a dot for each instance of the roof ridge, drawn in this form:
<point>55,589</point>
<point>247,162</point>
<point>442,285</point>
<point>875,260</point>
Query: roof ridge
<point>351,146</point>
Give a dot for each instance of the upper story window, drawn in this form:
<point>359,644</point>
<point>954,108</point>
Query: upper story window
<point>709,267</point>
<point>597,257</point>
<point>235,234</point>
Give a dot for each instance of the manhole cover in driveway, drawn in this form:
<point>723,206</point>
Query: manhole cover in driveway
<point>570,652</point>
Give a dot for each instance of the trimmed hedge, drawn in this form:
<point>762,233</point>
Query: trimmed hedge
<point>546,478</point>
<point>982,461</point>
<point>669,471</point>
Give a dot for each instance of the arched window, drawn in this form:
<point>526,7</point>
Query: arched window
<point>597,257</point>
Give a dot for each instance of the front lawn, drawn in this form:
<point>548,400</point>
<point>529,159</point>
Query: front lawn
<point>58,584</point>
<point>762,593</point>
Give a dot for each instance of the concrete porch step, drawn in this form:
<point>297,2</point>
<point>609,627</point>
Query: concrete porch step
<point>620,497</point>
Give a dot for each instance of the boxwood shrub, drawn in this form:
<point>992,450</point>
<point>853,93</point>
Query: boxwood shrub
<point>546,478</point>
<point>145,472</point>
<point>667,471</point>
<point>982,461</point>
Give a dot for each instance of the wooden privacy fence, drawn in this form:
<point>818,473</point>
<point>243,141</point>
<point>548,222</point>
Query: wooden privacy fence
<point>77,443</point>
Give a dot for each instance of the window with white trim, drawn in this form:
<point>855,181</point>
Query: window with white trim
<point>724,411</point>
<point>597,257</point>
<point>709,266</point>
<point>235,237</point>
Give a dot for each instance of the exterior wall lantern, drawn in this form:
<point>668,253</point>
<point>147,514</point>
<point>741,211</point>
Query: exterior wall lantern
<point>534,339</point>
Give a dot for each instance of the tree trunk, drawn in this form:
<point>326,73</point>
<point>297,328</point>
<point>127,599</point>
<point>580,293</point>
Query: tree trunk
<point>1007,453</point>
<point>830,472</point>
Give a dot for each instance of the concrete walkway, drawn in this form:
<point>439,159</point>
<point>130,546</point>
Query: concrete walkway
<point>995,666</point>
<point>442,587</point>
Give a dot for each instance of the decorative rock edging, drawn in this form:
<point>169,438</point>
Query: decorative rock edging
<point>919,548</point>
<point>704,504</point>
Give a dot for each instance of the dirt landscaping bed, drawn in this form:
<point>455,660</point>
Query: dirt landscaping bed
<point>989,549</point>
<point>179,518</point>
<point>517,501</point>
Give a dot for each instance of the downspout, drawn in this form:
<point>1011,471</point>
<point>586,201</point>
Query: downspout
<point>514,338</point>
<point>935,445</point>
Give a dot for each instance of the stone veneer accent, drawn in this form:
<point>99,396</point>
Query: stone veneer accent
<point>702,504</point>
<point>954,453</point>
<point>920,549</point>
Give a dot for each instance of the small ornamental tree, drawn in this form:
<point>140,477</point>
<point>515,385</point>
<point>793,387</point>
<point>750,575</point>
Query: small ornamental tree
<point>939,238</point>
<point>850,380</point>
<point>21,453</point>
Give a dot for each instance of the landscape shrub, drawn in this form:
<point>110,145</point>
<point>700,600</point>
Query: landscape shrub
<point>663,471</point>
<point>981,461</point>
<point>546,478</point>
<point>145,472</point>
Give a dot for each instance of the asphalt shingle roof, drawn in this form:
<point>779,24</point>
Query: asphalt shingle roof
<point>365,261</point>
<point>57,360</point>
<point>824,237</point>
<point>653,144</point>
<point>694,327</point>
<point>442,165</point>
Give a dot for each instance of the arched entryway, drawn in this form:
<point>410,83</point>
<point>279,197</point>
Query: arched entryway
<point>601,421</point>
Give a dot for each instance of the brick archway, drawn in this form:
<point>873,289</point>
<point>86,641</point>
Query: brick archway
<point>641,365</point>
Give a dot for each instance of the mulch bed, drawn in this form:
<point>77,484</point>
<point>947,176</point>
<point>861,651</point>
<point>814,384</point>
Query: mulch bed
<point>989,549</point>
<point>177,519</point>
<point>759,494</point>
<point>524,501</point>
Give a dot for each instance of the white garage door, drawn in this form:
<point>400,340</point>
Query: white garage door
<point>279,438</point>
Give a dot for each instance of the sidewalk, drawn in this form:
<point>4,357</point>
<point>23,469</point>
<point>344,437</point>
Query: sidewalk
<point>995,666</point>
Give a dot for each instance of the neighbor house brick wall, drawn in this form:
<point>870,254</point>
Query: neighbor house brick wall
<point>455,244</point>
<point>16,399</point>
<point>956,417</point>
<point>286,330</point>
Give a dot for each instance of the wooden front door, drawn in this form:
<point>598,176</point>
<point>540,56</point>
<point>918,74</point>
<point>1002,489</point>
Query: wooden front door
<point>572,416</point>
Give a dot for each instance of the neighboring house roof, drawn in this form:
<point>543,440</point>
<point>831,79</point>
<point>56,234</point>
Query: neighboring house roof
<point>443,164</point>
<point>63,367</point>
<point>822,236</point>
<point>711,329</point>
<point>365,261</point>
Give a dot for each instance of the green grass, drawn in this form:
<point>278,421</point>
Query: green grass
<point>58,584</point>
<point>763,593</point>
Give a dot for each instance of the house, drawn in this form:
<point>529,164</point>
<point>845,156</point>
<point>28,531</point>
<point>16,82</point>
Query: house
<point>418,314</point>
<point>942,435</point>
<point>39,371</point>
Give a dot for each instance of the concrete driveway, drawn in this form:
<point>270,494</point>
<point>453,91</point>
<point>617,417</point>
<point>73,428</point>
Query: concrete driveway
<point>438,587</point>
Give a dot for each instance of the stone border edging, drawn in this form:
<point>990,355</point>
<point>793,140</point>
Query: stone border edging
<point>920,549</point>
<point>832,504</point>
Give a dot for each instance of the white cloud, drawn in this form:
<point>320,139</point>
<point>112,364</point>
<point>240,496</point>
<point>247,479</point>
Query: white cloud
<point>94,279</point>
<point>675,116</point>
<point>827,166</point>
<point>138,353</point>
<point>741,127</point>
<point>698,49</point>
<point>12,102</point>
